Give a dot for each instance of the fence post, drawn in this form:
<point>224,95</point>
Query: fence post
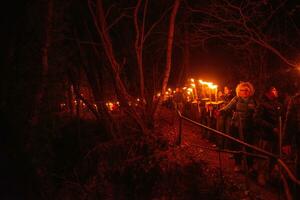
<point>280,137</point>
<point>179,131</point>
<point>286,189</point>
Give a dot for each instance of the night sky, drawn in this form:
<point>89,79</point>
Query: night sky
<point>215,44</point>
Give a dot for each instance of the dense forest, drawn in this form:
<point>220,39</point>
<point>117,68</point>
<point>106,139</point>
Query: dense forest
<point>63,61</point>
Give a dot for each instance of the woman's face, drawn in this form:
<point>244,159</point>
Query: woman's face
<point>220,93</point>
<point>226,90</point>
<point>273,93</point>
<point>244,92</point>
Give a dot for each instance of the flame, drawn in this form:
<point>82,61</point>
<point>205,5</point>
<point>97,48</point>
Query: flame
<point>212,86</point>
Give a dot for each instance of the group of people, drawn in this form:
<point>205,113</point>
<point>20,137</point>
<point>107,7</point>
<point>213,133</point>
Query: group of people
<point>256,122</point>
<point>265,122</point>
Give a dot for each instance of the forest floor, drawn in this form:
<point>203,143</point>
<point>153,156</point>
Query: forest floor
<point>197,147</point>
<point>80,162</point>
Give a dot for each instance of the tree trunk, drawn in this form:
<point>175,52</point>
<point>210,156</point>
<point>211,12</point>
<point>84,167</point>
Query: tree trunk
<point>122,94</point>
<point>139,46</point>
<point>186,57</point>
<point>45,64</point>
<point>169,55</point>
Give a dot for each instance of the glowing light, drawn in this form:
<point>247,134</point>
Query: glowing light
<point>96,107</point>
<point>212,86</point>
<point>110,106</point>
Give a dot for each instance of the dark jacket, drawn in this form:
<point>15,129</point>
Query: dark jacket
<point>267,116</point>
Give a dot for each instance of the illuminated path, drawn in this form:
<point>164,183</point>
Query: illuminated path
<point>193,141</point>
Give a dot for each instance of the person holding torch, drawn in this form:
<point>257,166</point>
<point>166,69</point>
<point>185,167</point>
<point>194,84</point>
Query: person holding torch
<point>242,126</point>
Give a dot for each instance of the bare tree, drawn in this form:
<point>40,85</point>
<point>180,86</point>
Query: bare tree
<point>168,52</point>
<point>139,44</point>
<point>241,24</point>
<point>45,63</point>
<point>100,21</point>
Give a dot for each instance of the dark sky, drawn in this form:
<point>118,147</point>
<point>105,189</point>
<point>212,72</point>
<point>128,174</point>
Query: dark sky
<point>222,57</point>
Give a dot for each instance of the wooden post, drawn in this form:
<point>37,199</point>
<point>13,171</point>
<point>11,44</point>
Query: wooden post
<point>179,131</point>
<point>280,137</point>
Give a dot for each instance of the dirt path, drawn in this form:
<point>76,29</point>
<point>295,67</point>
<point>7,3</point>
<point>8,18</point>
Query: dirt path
<point>198,147</point>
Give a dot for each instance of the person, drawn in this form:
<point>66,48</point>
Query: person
<point>220,95</point>
<point>267,118</point>
<point>223,121</point>
<point>242,106</point>
<point>178,100</point>
<point>291,139</point>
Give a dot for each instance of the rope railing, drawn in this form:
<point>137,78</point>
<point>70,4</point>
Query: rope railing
<point>291,176</point>
<point>231,151</point>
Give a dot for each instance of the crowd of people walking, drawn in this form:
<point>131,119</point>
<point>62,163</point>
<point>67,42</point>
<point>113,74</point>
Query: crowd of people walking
<point>268,122</point>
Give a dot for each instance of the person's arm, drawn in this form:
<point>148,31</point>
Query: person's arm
<point>230,106</point>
